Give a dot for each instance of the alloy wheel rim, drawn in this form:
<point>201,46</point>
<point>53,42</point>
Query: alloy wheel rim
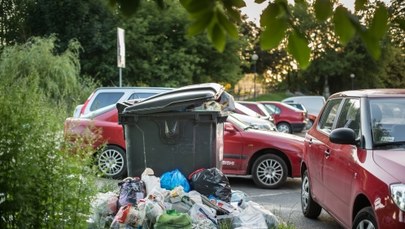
<point>270,172</point>
<point>110,162</point>
<point>283,128</point>
<point>365,224</point>
<point>305,192</point>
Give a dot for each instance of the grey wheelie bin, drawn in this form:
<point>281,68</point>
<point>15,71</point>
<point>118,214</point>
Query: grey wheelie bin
<point>179,129</point>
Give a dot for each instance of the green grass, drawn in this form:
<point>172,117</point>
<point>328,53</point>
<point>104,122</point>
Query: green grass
<point>274,96</point>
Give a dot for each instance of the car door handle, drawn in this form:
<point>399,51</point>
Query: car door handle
<point>326,153</point>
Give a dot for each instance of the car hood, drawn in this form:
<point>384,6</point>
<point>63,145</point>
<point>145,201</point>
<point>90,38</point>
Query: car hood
<point>276,135</point>
<point>391,161</point>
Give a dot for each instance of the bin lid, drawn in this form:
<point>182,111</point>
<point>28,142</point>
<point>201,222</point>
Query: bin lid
<point>181,99</point>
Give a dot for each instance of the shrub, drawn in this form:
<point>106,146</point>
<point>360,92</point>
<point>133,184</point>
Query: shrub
<point>44,186</point>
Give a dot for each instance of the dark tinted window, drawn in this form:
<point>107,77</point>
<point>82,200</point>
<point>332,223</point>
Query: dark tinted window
<point>104,99</point>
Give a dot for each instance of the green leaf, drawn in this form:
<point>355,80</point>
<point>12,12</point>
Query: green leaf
<point>360,5</point>
<point>217,36</point>
<point>379,24</point>
<point>196,6</point>
<point>199,25</point>
<point>259,1</point>
<point>298,47</point>
<point>371,44</point>
<point>273,35</point>
<point>323,9</point>
<point>227,25</point>
<point>270,15</point>
<point>343,26</point>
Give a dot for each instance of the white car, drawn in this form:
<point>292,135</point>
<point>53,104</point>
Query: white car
<point>105,96</point>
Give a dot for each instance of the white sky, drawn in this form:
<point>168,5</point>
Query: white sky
<point>254,10</point>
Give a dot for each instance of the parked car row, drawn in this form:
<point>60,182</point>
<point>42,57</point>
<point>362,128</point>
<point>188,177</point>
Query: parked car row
<point>351,161</point>
<point>268,156</point>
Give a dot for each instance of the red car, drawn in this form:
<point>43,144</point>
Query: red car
<point>354,160</point>
<point>288,119</point>
<point>269,157</point>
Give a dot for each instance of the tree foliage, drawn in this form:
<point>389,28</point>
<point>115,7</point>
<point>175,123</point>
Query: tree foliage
<point>161,54</point>
<point>219,19</point>
<point>44,185</point>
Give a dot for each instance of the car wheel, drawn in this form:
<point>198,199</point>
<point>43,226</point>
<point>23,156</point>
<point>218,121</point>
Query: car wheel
<point>269,171</point>
<point>310,208</point>
<point>284,127</point>
<point>111,162</point>
<point>365,219</point>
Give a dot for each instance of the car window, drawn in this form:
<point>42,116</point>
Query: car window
<point>104,99</point>
<point>387,120</point>
<point>246,110</point>
<point>328,115</point>
<point>143,95</point>
<point>272,109</point>
<point>349,116</point>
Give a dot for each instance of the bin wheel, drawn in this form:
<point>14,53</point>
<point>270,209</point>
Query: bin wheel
<point>269,171</point>
<point>111,162</point>
<point>284,127</point>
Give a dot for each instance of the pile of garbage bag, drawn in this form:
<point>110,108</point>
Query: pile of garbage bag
<point>203,200</point>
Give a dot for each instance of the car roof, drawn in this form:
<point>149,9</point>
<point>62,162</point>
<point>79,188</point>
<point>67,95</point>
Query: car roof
<point>383,92</point>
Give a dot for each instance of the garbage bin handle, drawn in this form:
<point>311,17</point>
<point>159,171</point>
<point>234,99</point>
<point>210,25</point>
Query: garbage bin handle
<point>172,132</point>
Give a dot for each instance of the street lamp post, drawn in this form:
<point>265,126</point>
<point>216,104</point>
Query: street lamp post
<point>255,57</point>
<point>352,77</point>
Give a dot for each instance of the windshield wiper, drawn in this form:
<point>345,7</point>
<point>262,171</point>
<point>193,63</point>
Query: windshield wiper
<point>382,144</point>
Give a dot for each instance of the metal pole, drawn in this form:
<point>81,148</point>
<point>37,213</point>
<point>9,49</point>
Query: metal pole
<point>120,71</point>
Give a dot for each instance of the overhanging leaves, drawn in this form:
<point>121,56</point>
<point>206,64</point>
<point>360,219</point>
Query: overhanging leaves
<point>217,37</point>
<point>273,35</point>
<point>379,24</point>
<point>323,9</point>
<point>343,26</point>
<point>298,48</point>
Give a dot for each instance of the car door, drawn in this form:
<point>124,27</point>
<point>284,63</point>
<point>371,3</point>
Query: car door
<point>339,163</point>
<point>233,150</point>
<point>316,144</point>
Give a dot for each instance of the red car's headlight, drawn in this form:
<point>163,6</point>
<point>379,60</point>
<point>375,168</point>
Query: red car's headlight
<point>398,195</point>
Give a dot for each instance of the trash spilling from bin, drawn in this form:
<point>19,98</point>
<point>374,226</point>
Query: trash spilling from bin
<point>175,133</point>
<point>143,203</point>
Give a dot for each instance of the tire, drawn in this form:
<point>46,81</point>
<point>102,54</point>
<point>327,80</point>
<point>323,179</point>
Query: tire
<point>310,208</point>
<point>365,219</point>
<point>111,162</point>
<point>284,127</point>
<point>269,171</point>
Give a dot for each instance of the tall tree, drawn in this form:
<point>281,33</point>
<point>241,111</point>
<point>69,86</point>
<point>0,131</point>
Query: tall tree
<point>89,22</point>
<point>159,53</point>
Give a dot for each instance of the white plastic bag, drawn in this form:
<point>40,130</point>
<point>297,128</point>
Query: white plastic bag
<point>151,181</point>
<point>250,217</point>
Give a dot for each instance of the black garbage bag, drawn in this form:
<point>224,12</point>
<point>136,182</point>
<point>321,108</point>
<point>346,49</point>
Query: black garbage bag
<point>211,182</point>
<point>132,189</point>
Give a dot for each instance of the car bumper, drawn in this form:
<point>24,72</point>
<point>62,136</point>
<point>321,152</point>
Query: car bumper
<point>298,127</point>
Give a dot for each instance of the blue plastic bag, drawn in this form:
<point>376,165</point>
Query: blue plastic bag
<point>172,179</point>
